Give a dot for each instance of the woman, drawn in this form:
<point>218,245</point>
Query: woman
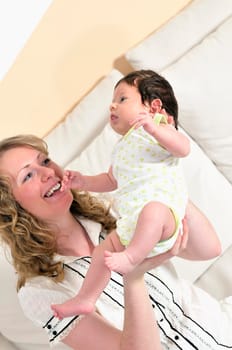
<point>52,234</point>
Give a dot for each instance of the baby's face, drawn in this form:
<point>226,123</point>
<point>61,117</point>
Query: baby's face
<point>125,107</point>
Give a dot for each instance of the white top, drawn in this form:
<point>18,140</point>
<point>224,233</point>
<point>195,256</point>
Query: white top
<point>188,317</point>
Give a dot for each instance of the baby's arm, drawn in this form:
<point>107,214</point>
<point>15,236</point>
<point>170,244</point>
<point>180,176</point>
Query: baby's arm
<point>171,139</point>
<point>104,182</point>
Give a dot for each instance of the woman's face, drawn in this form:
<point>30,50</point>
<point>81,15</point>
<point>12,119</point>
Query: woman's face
<point>36,182</point>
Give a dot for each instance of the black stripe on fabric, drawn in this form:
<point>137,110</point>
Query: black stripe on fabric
<point>161,307</point>
<point>50,319</point>
<point>63,329</point>
<point>109,296</point>
<point>185,315</point>
<point>85,259</point>
<point>173,342</point>
<point>75,270</point>
<point>112,279</point>
<point>162,310</point>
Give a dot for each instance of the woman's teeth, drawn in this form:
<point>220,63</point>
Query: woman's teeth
<point>53,189</point>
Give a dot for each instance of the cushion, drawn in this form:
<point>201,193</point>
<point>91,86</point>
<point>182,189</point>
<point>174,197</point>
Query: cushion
<point>86,120</point>
<point>5,344</point>
<point>176,37</point>
<point>96,157</point>
<point>201,80</point>
<point>199,68</point>
<point>217,281</point>
<point>212,193</point>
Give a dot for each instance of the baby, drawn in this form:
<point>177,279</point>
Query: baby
<point>151,194</point>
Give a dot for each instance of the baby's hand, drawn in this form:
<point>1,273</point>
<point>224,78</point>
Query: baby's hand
<point>170,119</point>
<point>144,119</point>
<point>72,180</point>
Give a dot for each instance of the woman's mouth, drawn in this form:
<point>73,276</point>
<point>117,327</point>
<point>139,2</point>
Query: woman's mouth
<point>52,190</point>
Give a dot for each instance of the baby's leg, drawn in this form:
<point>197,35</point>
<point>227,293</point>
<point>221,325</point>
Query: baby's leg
<point>95,281</point>
<point>156,222</point>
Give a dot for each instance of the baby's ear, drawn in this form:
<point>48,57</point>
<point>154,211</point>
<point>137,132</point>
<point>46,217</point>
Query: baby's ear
<point>156,105</point>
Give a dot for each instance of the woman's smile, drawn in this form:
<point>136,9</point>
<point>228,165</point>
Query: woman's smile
<point>36,182</point>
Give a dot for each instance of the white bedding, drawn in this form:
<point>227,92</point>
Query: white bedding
<point>194,52</point>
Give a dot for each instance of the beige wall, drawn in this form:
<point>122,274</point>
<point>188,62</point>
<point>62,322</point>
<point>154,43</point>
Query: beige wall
<point>76,43</point>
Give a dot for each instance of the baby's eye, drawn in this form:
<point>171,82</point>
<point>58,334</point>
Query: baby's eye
<point>123,98</point>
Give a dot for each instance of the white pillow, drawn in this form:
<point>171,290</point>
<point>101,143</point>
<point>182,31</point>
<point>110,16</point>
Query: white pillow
<point>202,83</point>
<point>81,125</point>
<point>212,193</point>
<point>217,280</point>
<point>96,157</point>
<point>179,35</point>
<point>203,179</point>
<point>5,344</point>
<point>198,66</point>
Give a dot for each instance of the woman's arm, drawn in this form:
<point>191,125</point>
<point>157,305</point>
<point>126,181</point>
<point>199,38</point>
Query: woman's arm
<point>140,329</point>
<point>203,242</point>
<point>93,332</point>
<point>139,332</point>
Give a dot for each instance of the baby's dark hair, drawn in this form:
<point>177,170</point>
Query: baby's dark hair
<point>151,85</point>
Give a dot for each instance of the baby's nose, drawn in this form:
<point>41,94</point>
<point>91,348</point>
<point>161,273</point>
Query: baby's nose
<point>112,106</point>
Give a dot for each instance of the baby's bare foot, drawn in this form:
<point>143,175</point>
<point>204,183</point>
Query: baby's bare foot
<point>72,307</point>
<point>119,262</point>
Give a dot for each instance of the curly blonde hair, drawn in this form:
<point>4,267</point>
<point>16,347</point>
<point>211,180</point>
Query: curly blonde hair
<point>32,243</point>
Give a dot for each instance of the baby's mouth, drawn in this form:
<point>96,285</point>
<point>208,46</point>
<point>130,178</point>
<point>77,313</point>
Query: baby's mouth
<point>113,117</point>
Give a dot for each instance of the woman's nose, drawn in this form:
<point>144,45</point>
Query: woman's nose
<point>46,173</point>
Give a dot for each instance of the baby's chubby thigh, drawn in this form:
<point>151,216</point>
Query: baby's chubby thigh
<point>159,217</point>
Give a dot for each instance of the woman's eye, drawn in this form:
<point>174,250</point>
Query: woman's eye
<point>46,161</point>
<point>27,177</point>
